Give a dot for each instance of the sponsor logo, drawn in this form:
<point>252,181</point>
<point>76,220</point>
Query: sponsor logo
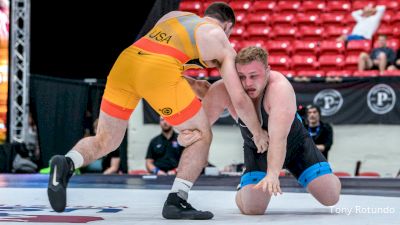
<point>329,100</point>
<point>166,111</point>
<point>381,99</point>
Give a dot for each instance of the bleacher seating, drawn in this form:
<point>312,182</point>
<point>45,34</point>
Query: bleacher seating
<point>294,29</point>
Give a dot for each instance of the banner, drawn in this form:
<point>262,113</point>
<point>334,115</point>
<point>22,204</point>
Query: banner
<point>372,100</point>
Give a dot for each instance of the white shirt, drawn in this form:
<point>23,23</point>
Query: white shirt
<point>366,26</point>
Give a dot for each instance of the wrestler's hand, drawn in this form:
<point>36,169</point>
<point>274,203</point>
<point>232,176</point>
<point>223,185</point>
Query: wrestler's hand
<point>200,88</point>
<point>188,137</point>
<point>270,183</point>
<point>261,140</point>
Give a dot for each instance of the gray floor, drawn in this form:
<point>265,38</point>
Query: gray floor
<point>141,206</point>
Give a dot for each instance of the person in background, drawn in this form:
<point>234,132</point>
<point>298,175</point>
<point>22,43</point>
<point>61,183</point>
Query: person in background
<point>368,20</point>
<point>320,132</point>
<point>379,58</point>
<point>164,152</point>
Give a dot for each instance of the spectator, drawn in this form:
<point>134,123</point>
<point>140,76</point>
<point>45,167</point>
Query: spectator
<point>320,132</point>
<point>380,57</point>
<point>164,152</point>
<point>367,22</point>
<point>396,64</point>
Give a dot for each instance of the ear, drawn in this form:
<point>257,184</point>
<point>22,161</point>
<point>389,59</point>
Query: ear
<point>227,26</point>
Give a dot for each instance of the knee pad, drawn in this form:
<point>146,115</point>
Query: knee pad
<point>314,171</point>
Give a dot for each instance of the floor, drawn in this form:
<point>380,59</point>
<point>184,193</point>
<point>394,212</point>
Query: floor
<point>24,199</point>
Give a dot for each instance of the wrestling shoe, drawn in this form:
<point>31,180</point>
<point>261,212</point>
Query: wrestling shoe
<point>176,207</point>
<point>61,169</point>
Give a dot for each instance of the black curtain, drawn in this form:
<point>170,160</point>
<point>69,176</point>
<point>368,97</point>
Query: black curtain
<point>59,106</point>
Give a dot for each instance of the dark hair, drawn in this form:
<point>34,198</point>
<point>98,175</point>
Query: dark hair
<point>221,11</point>
<point>312,106</point>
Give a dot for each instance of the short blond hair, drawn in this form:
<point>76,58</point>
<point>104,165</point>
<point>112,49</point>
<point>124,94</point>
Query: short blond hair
<point>250,54</point>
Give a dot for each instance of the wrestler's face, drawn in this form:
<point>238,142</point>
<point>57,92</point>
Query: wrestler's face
<point>254,77</point>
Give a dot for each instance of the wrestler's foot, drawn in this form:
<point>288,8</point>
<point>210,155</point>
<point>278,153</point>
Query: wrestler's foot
<point>178,208</point>
<point>61,169</point>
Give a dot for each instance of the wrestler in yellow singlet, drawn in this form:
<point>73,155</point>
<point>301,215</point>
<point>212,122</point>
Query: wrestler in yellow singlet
<point>152,69</point>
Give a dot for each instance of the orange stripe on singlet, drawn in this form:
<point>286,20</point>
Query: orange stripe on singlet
<point>115,110</point>
<point>185,114</point>
<point>155,47</point>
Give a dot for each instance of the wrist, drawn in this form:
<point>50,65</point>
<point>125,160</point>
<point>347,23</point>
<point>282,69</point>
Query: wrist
<point>155,170</point>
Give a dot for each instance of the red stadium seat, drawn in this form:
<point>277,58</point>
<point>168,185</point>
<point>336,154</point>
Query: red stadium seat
<point>264,6</point>
<point>258,18</point>
<point>279,63</point>
<point>279,47</point>
<point>349,20</point>
<point>313,7</point>
<point>305,48</point>
<point>351,62</point>
<point>391,6</point>
<point>385,30</point>
<point>287,20</point>
<point>387,18</point>
<point>288,6</point>
<point>339,73</point>
<point>258,31</point>
<point>310,73</point>
<point>284,33</point>
<point>191,6</point>
<point>289,73</point>
<point>329,19</point>
<point>308,19</point>
<point>331,47</point>
<point>258,43</point>
<point>238,31</point>
<point>356,47</point>
<point>338,7</point>
<point>366,73</point>
<point>240,6</point>
<point>342,174</point>
<point>360,4</point>
<point>331,62</point>
<point>214,73</point>
<point>240,19</point>
<point>396,20</point>
<point>236,44</point>
<point>333,32</point>
<point>391,73</point>
<point>310,33</point>
<point>138,172</point>
<point>200,73</point>
<point>369,174</point>
<point>303,62</point>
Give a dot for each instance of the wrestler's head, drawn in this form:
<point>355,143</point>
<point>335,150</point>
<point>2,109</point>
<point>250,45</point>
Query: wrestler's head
<point>253,70</point>
<point>224,14</point>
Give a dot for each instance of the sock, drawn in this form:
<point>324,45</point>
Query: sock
<point>76,158</point>
<point>182,187</point>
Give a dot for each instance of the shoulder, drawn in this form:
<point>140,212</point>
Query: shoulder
<point>210,31</point>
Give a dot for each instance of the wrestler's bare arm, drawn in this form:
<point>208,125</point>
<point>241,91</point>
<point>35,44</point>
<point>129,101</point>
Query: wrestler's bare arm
<point>280,103</point>
<point>216,101</point>
<point>214,46</point>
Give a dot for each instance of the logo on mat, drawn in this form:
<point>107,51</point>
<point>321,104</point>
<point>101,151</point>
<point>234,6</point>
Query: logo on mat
<point>381,99</point>
<point>329,100</point>
<point>166,111</point>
